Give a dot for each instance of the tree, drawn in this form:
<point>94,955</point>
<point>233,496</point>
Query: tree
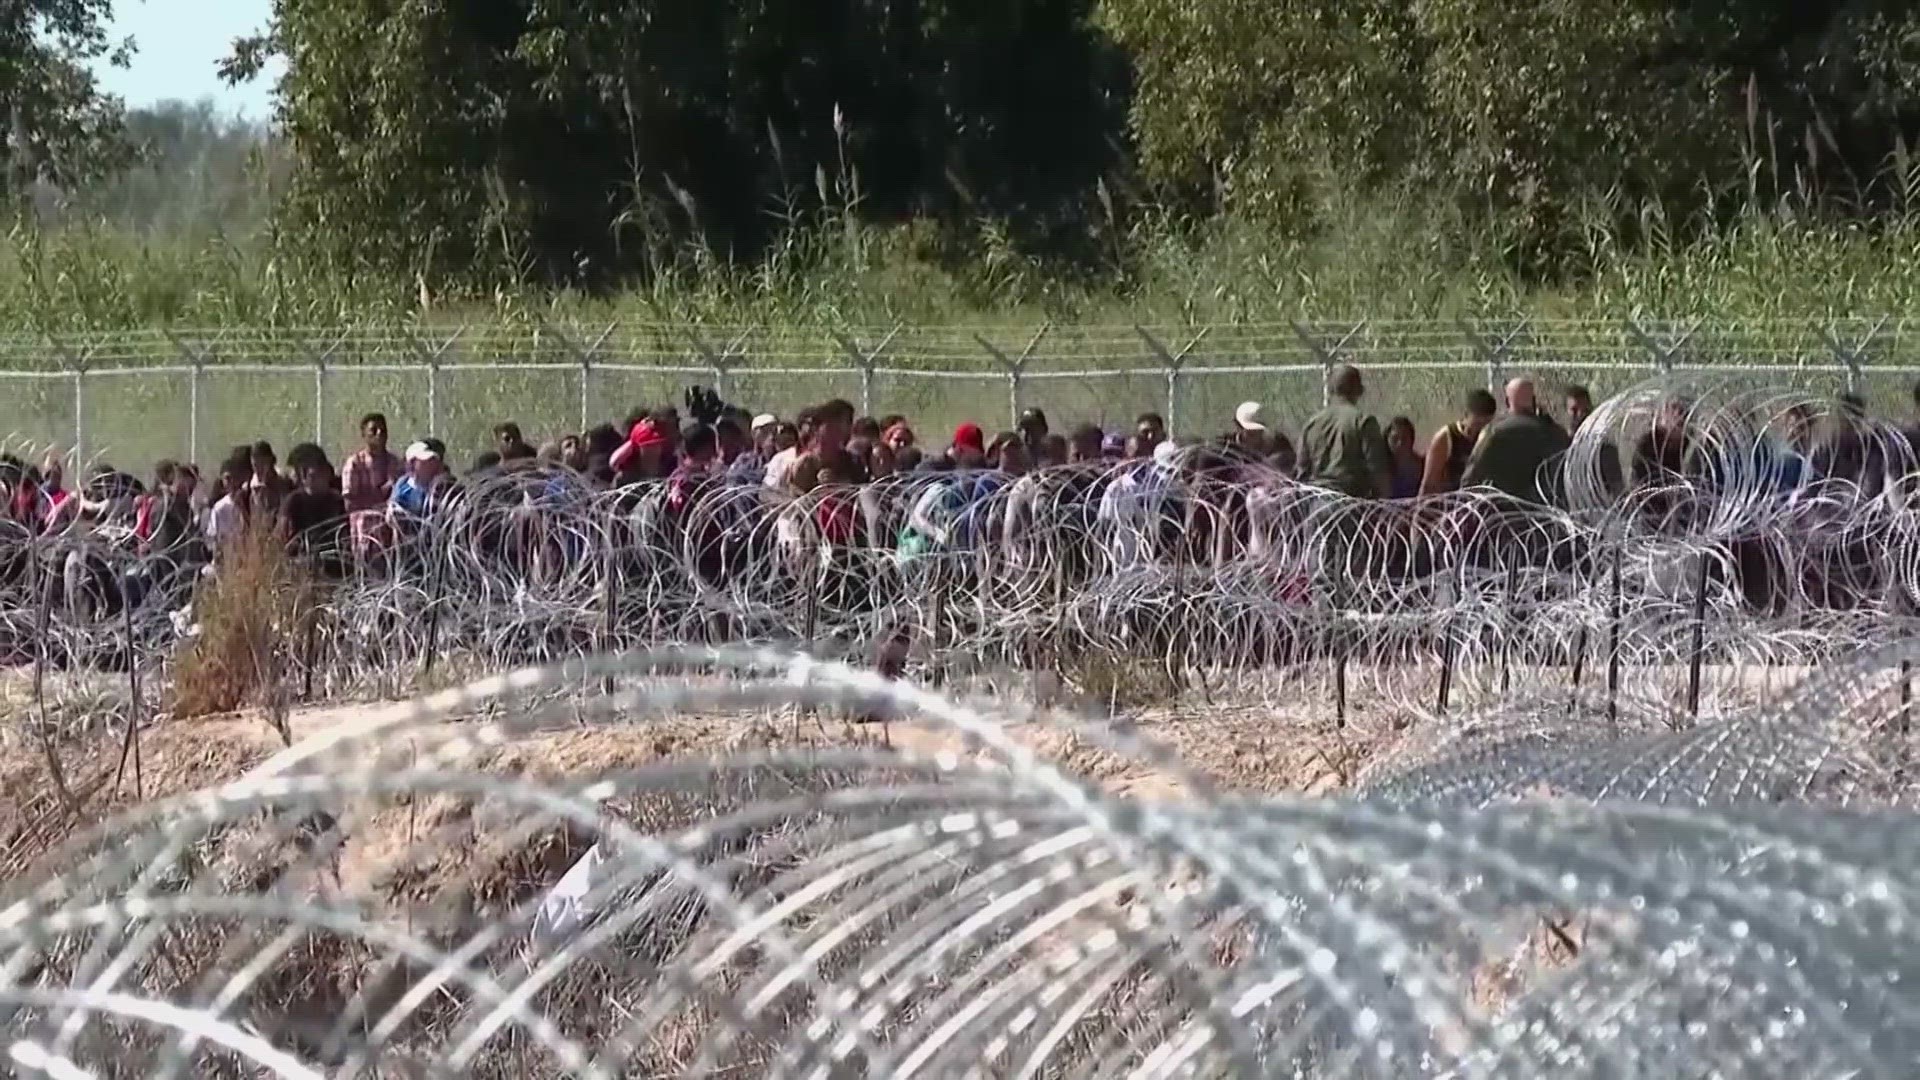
<point>579,140</point>
<point>55,125</point>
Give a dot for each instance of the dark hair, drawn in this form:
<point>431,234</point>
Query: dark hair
<point>836,409</point>
<point>164,471</point>
<point>1576,392</point>
<point>1153,418</point>
<point>435,445</point>
<point>1033,416</point>
<point>1480,402</point>
<point>891,419</point>
<point>373,417</point>
<point>487,460</point>
<point>907,458</point>
<point>1344,382</point>
<point>306,455</point>
<point>699,438</point>
<point>1402,421</point>
<point>509,431</point>
<point>866,428</point>
<point>604,440</point>
<point>787,428</point>
<point>600,467</point>
<point>263,448</point>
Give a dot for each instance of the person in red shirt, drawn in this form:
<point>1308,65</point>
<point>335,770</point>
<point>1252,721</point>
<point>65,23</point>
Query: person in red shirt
<point>642,456</point>
<point>969,449</point>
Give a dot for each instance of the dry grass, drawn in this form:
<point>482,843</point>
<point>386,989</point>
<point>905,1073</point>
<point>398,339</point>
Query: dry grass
<point>252,614</point>
<point>445,864</point>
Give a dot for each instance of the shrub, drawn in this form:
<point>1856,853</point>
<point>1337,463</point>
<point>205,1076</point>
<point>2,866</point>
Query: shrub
<point>252,615</point>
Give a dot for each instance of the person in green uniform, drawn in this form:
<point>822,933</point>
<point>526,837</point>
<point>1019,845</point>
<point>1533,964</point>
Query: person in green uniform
<point>1341,447</point>
<point>1513,453</point>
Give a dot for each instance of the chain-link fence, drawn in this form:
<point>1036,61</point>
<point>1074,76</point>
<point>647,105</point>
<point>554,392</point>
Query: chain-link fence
<point>137,396</point>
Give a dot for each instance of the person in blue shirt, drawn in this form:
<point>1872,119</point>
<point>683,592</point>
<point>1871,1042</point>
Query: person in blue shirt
<point>417,491</point>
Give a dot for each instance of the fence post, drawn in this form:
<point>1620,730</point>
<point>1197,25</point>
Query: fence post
<point>320,400</point>
<point>1663,352</point>
<point>431,357</point>
<point>77,365</point>
<point>584,356</point>
<point>1327,357</point>
<point>80,412</point>
<point>433,395</point>
<point>1852,356</point>
<point>1495,351</point>
<point>320,381</point>
<point>865,361</point>
<point>1015,367</point>
<point>721,362</point>
<point>1173,362</point>
<point>193,410</point>
<point>196,363</point>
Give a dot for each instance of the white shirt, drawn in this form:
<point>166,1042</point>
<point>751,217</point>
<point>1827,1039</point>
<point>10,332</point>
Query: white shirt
<point>779,467</point>
<point>225,524</point>
<point>1129,507</point>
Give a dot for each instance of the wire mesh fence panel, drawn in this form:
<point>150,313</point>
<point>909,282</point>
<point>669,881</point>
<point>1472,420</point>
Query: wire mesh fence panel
<point>470,401</point>
<point>1104,382</point>
<point>936,402</point>
<point>457,381</point>
<point>1206,401</point>
<point>786,393</point>
<point>38,412</point>
<point>132,418</point>
<point>238,407</point>
<point>1891,393</point>
<point>347,394</point>
<point>613,394</point>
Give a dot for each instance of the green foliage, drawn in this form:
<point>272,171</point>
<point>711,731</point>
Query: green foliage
<point>1242,103</point>
<point>587,141</point>
<point>1543,120</point>
<point>55,125</point>
<point>197,174</point>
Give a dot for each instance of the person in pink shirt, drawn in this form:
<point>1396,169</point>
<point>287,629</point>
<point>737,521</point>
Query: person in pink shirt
<point>369,477</point>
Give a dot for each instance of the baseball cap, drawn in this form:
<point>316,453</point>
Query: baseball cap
<point>644,434</point>
<point>968,436</point>
<point>420,451</point>
<point>764,420</point>
<point>1248,416</point>
<point>1164,452</point>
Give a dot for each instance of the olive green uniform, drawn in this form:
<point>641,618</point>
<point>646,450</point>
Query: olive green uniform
<point>1511,453</point>
<point>1343,448</point>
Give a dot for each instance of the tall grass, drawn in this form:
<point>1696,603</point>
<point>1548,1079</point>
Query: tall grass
<point>1376,256</point>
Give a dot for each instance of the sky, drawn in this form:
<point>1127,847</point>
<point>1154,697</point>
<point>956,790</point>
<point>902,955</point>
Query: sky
<point>178,43</point>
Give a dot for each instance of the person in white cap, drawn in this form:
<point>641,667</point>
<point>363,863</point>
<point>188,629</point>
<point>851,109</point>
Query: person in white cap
<point>1250,431</point>
<point>413,495</point>
<point>750,467</point>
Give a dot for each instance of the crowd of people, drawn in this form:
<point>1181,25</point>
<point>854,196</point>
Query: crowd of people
<point>356,513</point>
